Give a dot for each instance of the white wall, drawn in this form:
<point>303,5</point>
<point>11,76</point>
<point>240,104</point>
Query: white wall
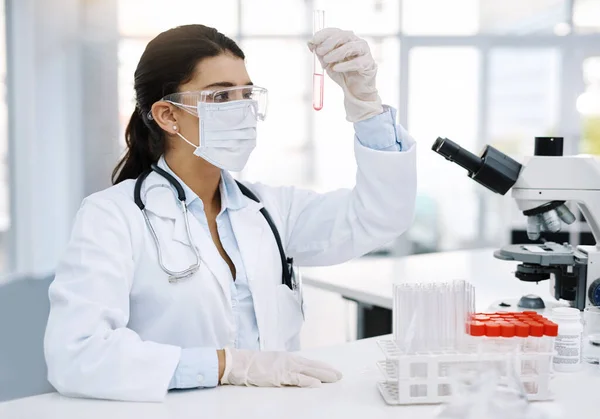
<point>60,127</point>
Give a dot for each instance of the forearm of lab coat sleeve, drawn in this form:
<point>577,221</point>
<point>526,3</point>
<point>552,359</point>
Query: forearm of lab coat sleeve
<point>89,350</point>
<point>198,367</point>
<point>331,228</point>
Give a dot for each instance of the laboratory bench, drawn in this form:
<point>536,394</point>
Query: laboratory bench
<point>368,281</point>
<point>355,396</point>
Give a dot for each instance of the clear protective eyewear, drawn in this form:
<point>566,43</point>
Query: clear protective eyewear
<point>211,99</point>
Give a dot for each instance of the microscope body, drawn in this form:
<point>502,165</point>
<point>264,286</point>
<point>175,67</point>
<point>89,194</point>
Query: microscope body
<point>547,180</point>
<point>541,186</point>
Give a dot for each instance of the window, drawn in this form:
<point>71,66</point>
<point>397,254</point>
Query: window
<point>469,17</point>
<point>523,100</point>
<point>586,15</point>
<point>588,105</point>
<point>443,94</point>
<point>374,17</point>
<point>290,17</point>
<point>144,19</point>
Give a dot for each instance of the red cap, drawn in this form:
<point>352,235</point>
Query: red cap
<point>529,313</point>
<point>542,319</point>
<point>476,328</point>
<point>507,330</point>
<point>536,329</point>
<point>521,329</point>
<point>492,329</point>
<point>550,328</point>
<point>481,317</point>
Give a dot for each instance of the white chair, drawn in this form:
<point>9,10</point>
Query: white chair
<point>24,308</point>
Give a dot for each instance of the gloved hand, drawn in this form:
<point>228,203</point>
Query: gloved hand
<point>348,61</point>
<point>274,369</point>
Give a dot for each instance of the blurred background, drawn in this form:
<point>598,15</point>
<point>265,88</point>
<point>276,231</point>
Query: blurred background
<point>475,71</point>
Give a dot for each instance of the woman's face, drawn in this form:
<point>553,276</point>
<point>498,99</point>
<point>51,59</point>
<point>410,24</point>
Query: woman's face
<point>214,73</point>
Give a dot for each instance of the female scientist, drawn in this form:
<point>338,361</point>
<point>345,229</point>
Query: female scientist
<point>179,277</point>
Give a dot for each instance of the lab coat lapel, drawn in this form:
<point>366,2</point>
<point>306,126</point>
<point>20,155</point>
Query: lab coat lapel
<point>209,255</point>
<point>249,228</point>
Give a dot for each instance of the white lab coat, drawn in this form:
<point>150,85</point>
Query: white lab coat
<point>117,326</point>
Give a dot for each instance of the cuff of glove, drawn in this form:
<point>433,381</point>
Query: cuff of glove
<point>228,366</point>
<point>359,110</point>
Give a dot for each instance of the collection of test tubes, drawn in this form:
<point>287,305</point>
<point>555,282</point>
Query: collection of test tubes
<point>431,317</point>
<point>526,334</point>
<point>318,74</point>
<point>437,334</point>
<point>525,331</point>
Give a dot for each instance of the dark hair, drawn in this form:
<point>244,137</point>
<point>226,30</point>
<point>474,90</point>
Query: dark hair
<point>167,62</point>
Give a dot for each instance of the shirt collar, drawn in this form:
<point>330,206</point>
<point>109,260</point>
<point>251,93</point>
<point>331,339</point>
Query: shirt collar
<point>232,197</point>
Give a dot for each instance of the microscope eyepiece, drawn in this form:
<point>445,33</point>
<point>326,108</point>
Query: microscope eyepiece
<point>493,169</point>
<point>453,152</point>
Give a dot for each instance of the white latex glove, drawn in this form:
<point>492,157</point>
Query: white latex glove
<point>348,61</point>
<point>275,369</point>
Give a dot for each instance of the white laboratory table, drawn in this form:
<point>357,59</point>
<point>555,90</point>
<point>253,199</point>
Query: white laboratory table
<point>354,397</point>
<point>369,279</point>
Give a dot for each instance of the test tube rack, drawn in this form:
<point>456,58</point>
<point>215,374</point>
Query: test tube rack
<point>424,378</point>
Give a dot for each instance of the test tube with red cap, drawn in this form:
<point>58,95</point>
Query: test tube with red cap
<point>550,333</point>
<point>493,332</point>
<point>522,336</point>
<point>318,74</point>
<point>476,329</point>
<point>536,333</point>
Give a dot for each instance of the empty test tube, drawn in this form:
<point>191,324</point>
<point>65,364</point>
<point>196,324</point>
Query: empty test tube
<point>536,333</point>
<point>550,333</point>
<point>318,75</point>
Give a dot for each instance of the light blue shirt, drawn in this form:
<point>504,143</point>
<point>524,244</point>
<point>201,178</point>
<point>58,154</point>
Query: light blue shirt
<point>199,367</point>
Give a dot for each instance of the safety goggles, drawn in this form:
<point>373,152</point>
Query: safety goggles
<point>212,100</point>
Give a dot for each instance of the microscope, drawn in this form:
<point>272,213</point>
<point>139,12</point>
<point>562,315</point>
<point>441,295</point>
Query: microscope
<point>541,186</point>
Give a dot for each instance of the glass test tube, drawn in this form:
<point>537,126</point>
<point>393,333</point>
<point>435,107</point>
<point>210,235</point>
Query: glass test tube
<point>318,76</point>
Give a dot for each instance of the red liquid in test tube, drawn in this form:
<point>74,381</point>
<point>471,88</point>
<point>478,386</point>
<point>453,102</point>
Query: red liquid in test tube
<point>318,81</point>
<point>318,76</point>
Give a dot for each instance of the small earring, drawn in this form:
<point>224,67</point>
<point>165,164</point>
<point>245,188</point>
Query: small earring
<point>174,127</point>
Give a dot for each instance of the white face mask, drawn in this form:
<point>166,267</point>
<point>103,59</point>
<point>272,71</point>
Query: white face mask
<point>227,133</point>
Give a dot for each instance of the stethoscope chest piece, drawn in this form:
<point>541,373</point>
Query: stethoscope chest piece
<point>174,279</point>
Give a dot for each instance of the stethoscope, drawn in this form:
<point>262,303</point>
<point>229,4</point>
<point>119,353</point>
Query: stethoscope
<point>288,276</point>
